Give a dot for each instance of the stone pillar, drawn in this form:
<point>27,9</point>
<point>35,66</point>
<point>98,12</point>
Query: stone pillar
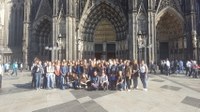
<point>7,20</point>
<point>54,29</point>
<point>74,38</point>
<point>132,29</point>
<point>26,32</point>
<point>2,16</point>
<point>193,29</point>
<point>151,41</point>
<point>70,30</point>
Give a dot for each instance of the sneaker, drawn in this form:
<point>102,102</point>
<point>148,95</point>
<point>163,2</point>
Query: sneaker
<point>136,88</point>
<point>128,90</point>
<point>145,89</point>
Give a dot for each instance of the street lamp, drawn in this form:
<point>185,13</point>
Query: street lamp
<point>56,47</point>
<point>51,49</point>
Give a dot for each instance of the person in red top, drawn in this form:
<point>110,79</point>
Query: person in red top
<point>195,68</point>
<point>58,74</point>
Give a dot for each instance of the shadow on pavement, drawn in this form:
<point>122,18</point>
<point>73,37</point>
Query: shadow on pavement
<point>23,86</point>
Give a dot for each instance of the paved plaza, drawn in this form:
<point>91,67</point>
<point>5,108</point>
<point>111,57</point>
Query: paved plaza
<point>175,93</point>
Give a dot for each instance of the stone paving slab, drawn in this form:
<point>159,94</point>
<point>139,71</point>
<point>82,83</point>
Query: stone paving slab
<point>165,94</point>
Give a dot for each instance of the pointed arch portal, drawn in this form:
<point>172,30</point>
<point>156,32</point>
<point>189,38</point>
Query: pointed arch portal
<point>104,29</point>
<point>104,40</point>
<point>170,35</point>
<point>41,38</point>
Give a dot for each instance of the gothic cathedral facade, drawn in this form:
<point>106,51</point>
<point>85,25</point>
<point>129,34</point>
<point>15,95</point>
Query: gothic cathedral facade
<point>102,29</point>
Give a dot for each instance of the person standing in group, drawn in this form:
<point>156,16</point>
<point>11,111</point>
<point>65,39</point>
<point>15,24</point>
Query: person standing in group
<point>143,74</point>
<point>188,68</point>
<point>135,74</point>
<point>1,74</point>
<point>38,73</point>
<point>58,74</point>
<point>49,75</point>
<point>64,71</point>
<point>128,73</point>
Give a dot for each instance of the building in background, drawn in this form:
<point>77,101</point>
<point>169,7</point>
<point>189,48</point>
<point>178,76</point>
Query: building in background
<point>75,29</point>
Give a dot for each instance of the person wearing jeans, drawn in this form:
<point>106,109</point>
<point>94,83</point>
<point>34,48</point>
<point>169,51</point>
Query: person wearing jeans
<point>64,72</point>
<point>143,74</point>
<point>38,74</point>
<point>49,75</point>
<point>120,81</point>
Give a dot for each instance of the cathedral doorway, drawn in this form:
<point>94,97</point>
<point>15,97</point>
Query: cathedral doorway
<point>42,39</point>
<point>105,37</point>
<point>104,31</point>
<point>170,35</point>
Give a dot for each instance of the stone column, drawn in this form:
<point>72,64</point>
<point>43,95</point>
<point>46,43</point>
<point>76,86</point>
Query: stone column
<point>132,29</point>
<point>70,30</point>
<point>54,29</point>
<point>7,19</point>
<point>193,29</point>
<point>74,38</point>
<point>151,41</point>
<point>2,16</point>
<point>26,32</point>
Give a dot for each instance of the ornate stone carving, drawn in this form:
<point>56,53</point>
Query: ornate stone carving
<point>172,3</point>
<point>142,23</point>
<point>194,39</point>
<point>44,9</point>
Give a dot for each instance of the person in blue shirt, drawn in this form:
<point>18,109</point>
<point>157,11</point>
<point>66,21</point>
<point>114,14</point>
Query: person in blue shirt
<point>14,67</point>
<point>64,71</point>
<point>94,81</point>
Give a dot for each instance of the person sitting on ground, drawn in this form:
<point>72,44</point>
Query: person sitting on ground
<point>84,80</point>
<point>94,81</point>
<point>69,80</point>
<point>75,81</point>
<point>120,81</point>
<point>103,81</point>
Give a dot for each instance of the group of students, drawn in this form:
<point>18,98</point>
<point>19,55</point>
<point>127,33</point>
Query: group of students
<point>91,74</point>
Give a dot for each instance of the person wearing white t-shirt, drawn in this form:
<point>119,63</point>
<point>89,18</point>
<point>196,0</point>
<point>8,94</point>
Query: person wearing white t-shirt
<point>167,67</point>
<point>143,74</point>
<point>188,68</point>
